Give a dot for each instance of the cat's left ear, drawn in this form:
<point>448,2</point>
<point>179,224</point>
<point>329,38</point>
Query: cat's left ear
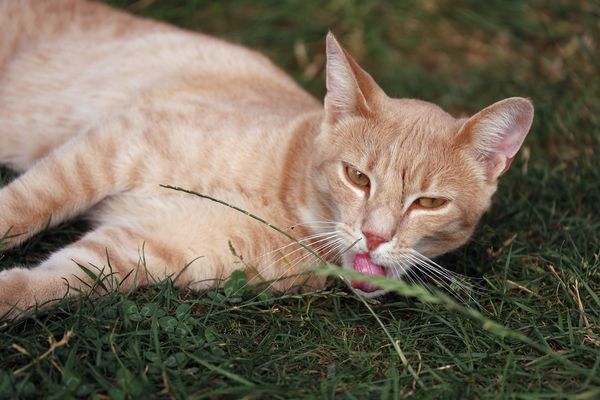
<point>496,133</point>
<point>350,89</point>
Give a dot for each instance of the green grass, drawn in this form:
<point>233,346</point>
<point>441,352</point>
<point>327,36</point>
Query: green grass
<point>537,250</point>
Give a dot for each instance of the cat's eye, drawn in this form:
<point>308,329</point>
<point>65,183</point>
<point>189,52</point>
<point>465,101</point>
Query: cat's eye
<point>430,202</point>
<point>356,177</point>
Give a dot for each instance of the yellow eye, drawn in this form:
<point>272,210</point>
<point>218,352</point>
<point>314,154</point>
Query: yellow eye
<point>358,178</point>
<point>430,202</point>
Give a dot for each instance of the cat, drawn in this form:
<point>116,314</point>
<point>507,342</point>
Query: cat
<point>98,108</point>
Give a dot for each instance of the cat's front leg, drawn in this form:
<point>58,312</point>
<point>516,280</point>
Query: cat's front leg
<point>117,255</point>
<point>70,180</point>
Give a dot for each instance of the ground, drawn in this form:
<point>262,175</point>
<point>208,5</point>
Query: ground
<point>537,332</point>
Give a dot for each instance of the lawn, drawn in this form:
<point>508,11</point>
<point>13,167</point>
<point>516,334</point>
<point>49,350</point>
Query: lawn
<point>531,331</point>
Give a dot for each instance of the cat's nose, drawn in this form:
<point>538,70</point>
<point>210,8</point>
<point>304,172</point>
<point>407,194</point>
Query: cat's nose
<point>374,240</point>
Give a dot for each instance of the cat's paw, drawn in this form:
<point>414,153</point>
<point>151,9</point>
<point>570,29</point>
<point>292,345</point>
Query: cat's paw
<point>16,293</point>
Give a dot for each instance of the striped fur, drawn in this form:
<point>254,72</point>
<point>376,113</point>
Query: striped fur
<point>98,108</point>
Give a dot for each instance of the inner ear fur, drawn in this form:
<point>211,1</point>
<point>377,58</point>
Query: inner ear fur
<point>350,89</point>
<point>496,133</point>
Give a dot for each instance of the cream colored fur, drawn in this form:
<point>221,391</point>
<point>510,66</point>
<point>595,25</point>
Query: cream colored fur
<point>98,108</point>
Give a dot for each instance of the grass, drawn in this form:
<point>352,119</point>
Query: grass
<point>537,250</point>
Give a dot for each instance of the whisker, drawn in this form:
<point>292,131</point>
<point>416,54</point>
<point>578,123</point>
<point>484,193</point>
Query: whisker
<point>409,272</point>
<point>323,247</point>
<point>417,279</point>
<point>308,256</point>
<point>333,243</point>
<point>439,278</point>
<point>408,276</point>
<point>430,261</point>
<point>290,266</point>
<point>314,235</point>
<point>440,271</point>
<point>344,249</point>
<point>319,242</point>
<point>441,284</point>
<point>338,248</point>
<point>315,223</point>
<point>450,282</point>
<point>300,240</point>
<point>322,240</point>
<point>450,275</point>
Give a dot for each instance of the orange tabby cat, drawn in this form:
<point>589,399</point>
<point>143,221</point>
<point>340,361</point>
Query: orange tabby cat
<point>98,108</point>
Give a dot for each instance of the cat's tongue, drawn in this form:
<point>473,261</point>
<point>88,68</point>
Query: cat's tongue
<point>363,264</point>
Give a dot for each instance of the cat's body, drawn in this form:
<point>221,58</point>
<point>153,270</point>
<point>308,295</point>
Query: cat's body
<point>99,108</point>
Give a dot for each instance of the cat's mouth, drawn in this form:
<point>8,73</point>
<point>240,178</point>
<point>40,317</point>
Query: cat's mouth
<point>362,263</point>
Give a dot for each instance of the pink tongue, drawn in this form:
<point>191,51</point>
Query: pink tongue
<point>363,264</point>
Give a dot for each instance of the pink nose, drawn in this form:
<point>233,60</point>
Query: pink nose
<point>374,240</point>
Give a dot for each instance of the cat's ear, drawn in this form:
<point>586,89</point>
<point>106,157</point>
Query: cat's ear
<point>350,90</point>
<point>496,133</point>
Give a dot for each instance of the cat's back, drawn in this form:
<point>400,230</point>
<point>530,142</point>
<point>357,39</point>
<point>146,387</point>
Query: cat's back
<point>45,31</point>
<point>69,63</point>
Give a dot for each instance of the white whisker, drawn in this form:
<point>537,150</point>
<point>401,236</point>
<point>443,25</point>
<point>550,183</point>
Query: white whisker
<point>447,274</point>
<point>321,239</point>
<point>315,223</point>
<point>323,247</point>
<point>450,281</point>
<point>410,272</point>
<point>441,280</point>
<point>316,242</point>
<point>332,247</point>
<point>299,243</point>
<point>338,248</point>
<point>433,263</point>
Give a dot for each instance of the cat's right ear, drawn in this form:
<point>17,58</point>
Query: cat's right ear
<point>350,89</point>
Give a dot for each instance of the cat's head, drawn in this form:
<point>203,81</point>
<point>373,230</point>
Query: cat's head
<point>402,176</point>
